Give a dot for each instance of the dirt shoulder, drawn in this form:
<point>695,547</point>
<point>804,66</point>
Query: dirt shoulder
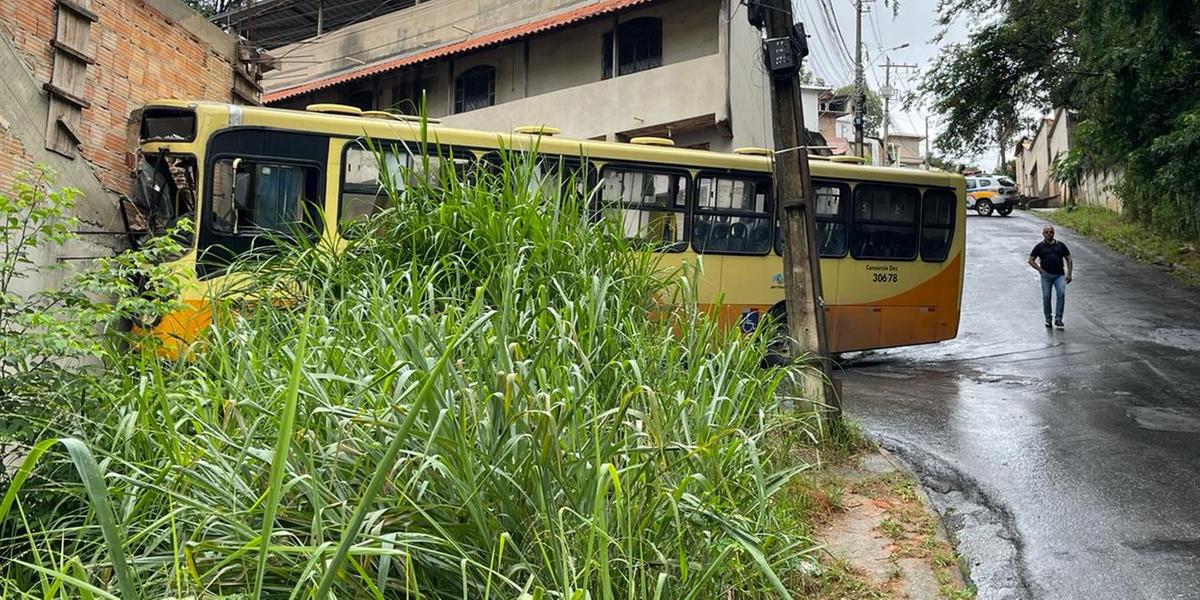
<point>880,537</point>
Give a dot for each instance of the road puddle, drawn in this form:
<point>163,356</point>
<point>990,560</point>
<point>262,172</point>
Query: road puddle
<point>1164,419</point>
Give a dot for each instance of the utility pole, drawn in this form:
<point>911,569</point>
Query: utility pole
<point>887,92</point>
<point>859,101</point>
<point>793,191</point>
<point>926,142</point>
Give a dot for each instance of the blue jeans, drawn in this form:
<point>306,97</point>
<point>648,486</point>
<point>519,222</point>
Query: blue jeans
<point>1059,283</point>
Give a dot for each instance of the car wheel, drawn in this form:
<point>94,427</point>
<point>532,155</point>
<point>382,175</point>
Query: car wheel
<point>983,207</point>
<point>1005,210</point>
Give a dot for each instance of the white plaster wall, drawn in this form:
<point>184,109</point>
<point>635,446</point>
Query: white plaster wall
<point>611,105</point>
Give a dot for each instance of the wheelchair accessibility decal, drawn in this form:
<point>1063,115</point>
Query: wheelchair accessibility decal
<point>748,321</point>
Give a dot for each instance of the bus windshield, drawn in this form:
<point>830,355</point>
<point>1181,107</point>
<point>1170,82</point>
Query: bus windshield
<point>165,189</point>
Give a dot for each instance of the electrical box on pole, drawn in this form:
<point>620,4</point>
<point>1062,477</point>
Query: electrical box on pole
<point>784,47</point>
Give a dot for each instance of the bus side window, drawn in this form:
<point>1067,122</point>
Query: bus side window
<point>833,231</point>
<point>885,222</point>
<point>251,198</point>
<point>937,224</point>
<point>366,176</point>
<point>651,207</point>
<point>370,171</point>
<point>733,216</point>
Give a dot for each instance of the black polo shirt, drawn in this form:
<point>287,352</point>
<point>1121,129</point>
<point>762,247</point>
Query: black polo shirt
<point>1051,256</point>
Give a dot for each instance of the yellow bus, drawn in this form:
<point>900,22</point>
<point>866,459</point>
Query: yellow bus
<point>891,240</point>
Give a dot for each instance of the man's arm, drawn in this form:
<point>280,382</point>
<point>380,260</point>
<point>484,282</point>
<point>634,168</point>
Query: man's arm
<point>1070,267</point>
<point>1033,263</point>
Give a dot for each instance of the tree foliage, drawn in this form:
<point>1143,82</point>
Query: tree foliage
<point>1127,70</point>
<point>209,8</point>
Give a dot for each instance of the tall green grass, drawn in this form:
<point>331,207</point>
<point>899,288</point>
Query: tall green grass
<point>483,396</point>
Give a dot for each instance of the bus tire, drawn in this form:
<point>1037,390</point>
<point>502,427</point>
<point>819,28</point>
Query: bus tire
<point>1005,210</point>
<point>983,207</point>
<point>779,351</point>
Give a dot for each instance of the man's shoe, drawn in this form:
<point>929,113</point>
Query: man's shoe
<point>1058,323</point>
<point>1048,325</point>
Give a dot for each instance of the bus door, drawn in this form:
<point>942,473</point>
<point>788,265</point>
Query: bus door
<point>733,225</point>
<point>263,186</point>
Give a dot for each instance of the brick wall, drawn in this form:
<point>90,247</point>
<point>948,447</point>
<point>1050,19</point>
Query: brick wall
<point>13,157</point>
<point>141,55</point>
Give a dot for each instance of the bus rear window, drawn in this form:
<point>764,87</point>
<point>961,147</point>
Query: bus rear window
<point>168,125</point>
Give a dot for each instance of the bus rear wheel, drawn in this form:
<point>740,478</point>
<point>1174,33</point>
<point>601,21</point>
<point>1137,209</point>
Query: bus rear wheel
<point>983,207</point>
<point>779,346</point>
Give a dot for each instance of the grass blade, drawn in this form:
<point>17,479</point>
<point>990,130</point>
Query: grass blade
<point>279,459</point>
<point>97,492</point>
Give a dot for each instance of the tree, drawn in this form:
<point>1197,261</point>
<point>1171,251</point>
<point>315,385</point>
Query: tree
<point>1127,69</point>
<point>873,118</point>
<point>208,8</point>
<point>1008,68</point>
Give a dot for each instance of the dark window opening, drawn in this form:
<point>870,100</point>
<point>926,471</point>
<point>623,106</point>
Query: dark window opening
<point>408,98</point>
<point>733,216</point>
<point>639,46</point>
<point>253,198</point>
<point>364,100</point>
<point>475,88</point>
<point>650,207</point>
<point>885,222</point>
<point>937,224</point>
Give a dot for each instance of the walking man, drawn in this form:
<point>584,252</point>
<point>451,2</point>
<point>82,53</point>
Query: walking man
<point>1048,258</point>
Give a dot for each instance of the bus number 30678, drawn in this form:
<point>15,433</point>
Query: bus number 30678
<point>885,277</point>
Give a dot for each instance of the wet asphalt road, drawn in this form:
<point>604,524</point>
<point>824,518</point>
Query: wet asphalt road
<point>1066,462</point>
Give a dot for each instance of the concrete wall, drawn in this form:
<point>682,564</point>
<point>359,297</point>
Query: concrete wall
<point>1022,177</point>
<point>143,50</point>
<point>749,86</point>
<point>429,24</point>
<point>1058,143</point>
<point>1039,162</point>
<point>612,105</point>
<point>1035,176</point>
<point>1096,188</point>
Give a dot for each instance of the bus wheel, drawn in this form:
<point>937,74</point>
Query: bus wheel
<point>983,207</point>
<point>1005,210</point>
<point>779,347</point>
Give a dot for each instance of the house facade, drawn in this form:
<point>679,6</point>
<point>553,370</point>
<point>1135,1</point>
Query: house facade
<point>904,149</point>
<point>689,70</point>
<point>1035,157</point>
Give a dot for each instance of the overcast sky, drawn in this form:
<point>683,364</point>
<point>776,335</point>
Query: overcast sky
<point>829,23</point>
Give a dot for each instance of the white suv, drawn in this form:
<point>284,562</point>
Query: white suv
<point>988,193</point>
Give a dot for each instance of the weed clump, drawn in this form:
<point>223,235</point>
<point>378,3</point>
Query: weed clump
<point>483,394</point>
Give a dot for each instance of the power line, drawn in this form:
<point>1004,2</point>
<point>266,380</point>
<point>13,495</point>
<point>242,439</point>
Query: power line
<point>831,19</point>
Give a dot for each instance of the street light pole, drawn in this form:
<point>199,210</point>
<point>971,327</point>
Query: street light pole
<point>887,108</point>
<point>887,92</point>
